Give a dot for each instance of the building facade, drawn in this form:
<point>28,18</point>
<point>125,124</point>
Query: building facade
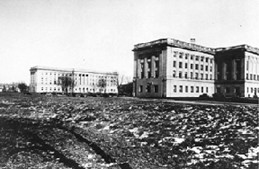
<point>237,71</point>
<point>47,80</point>
<point>173,68</point>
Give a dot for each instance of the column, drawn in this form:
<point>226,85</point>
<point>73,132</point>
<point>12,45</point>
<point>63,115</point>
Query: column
<point>233,69</point>
<point>242,71</point>
<point>223,71</point>
<point>153,66</point>
<point>216,71</point>
<point>145,67</point>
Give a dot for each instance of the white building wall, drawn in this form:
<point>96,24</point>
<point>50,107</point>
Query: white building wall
<point>46,81</point>
<point>182,72</point>
<point>251,75</point>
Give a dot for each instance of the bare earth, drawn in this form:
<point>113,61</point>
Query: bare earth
<point>127,133</point>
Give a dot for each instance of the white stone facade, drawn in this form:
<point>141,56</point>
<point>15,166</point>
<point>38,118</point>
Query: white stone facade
<point>45,80</point>
<point>163,69</point>
<point>172,68</point>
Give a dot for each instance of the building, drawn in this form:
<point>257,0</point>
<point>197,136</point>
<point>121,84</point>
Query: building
<point>9,87</point>
<point>173,68</point>
<point>47,80</point>
<point>237,71</point>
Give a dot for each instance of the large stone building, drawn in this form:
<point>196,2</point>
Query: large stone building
<point>46,80</point>
<point>173,68</point>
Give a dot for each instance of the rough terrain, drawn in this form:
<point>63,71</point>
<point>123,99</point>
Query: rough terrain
<point>66,132</point>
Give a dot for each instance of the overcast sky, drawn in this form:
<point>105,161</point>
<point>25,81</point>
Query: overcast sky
<point>99,34</point>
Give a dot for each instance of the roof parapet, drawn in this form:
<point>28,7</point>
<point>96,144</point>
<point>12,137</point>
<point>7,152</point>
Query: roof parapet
<point>175,43</point>
<point>244,46</point>
<point>69,70</point>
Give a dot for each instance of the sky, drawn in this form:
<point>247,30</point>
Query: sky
<point>99,35</point>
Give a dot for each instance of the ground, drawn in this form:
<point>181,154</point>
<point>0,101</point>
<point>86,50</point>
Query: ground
<point>113,133</point>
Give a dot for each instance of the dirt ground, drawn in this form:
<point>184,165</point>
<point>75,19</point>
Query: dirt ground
<point>69,132</point>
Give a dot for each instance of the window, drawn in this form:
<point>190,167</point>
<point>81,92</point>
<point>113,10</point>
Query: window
<point>186,65</point>
<point>140,88</point>
<point>206,68</point>
<point>254,77</point>
<point>201,67</point>
<point>252,90</point>
<point>141,69</point>
<point>191,57</point>
<point>197,89</point>
<point>180,64</point>
<point>202,89</point>
<point>180,74</point>
<point>237,91</point>
<point>217,89</point>
<point>175,53</point>
<point>186,89</point>
<point>196,66</point>
<point>180,55</point>
<point>191,75</point>
<point>207,60</point>
<point>227,90</point>
<point>207,76</point>
<point>247,76</point>
<point>211,68</point>
<point>156,88</point>
<point>197,58</point>
<point>174,73</point>
<point>192,89</point>
<point>251,77</point>
<point>202,59</point>
<point>211,60</point>
<point>247,65</point>
<point>191,66</point>
<point>186,56</point>
<point>201,76</point>
<point>186,75</point>
<point>174,64</point>
<point>207,89</point>
<point>175,88</point>
<point>148,88</point>
<point>196,75</point>
<point>181,89</point>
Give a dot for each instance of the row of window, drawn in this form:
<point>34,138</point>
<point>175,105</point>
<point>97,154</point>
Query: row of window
<point>192,57</point>
<point>79,75</point>
<point>76,89</point>
<point>252,77</point>
<point>191,66</point>
<point>149,88</point>
<point>193,75</point>
<point>176,89</point>
<point>252,90</point>
<point>90,82</point>
<point>192,89</point>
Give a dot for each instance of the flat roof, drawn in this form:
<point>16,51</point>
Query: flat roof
<point>192,46</point>
<point>70,70</point>
<point>174,43</point>
<point>244,46</point>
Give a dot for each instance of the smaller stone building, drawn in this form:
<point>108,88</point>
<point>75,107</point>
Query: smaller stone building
<point>46,80</point>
